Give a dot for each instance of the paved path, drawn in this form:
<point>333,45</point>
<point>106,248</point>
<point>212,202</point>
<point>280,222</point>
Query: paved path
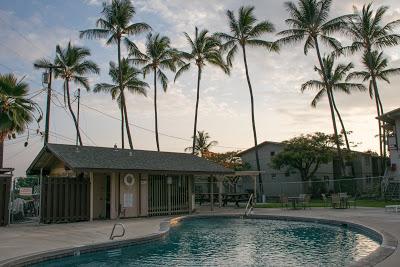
<point>18,240</point>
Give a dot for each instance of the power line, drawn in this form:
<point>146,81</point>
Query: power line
<point>23,150</point>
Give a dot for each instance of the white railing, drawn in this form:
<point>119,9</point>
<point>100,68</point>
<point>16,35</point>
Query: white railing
<point>249,205</point>
<point>112,236</point>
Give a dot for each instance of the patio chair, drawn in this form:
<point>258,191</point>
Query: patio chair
<point>284,202</point>
<point>305,201</point>
<point>325,200</point>
<point>335,201</point>
<point>351,202</point>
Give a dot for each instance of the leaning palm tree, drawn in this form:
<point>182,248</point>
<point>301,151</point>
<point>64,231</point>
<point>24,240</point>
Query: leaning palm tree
<point>368,32</point>
<point>336,79</point>
<point>204,49</point>
<point>16,109</point>
<point>159,56</point>
<point>130,82</point>
<point>115,25</point>
<point>245,32</point>
<point>309,21</point>
<point>74,68</point>
<point>203,144</point>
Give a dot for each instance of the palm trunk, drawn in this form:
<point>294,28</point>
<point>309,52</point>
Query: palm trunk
<point>1,151</point>
<point>155,110</point>
<point>121,88</point>
<point>328,89</point>
<point>379,111</point>
<point>253,121</point>
<point>197,108</point>
<point>72,112</point>
<point>341,123</point>
<point>122,127</point>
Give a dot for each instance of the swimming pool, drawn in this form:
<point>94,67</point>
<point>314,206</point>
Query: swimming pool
<point>219,241</point>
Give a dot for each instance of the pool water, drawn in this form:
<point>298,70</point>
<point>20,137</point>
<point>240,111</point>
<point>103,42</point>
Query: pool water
<point>238,242</point>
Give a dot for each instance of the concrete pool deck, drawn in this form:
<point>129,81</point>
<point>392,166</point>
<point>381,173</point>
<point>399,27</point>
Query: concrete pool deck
<point>20,241</point>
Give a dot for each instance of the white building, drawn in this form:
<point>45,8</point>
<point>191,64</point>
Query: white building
<point>392,123</point>
<point>288,182</point>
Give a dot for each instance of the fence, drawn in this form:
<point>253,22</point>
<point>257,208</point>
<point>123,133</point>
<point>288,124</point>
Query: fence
<point>65,199</point>
<point>5,186</point>
<point>169,195</point>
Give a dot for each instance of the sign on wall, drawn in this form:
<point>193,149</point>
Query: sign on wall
<point>25,191</point>
<point>128,200</point>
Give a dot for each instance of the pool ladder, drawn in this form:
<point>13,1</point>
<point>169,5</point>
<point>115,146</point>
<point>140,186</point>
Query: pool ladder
<point>249,206</point>
<point>112,236</point>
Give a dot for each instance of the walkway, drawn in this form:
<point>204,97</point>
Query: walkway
<point>22,240</point>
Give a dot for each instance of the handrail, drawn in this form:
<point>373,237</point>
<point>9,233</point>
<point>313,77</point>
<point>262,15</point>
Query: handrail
<point>248,207</point>
<point>112,236</point>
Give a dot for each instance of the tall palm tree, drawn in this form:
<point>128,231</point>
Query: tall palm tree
<point>16,109</point>
<point>245,32</point>
<point>204,49</point>
<point>159,56</point>
<point>309,21</point>
<point>115,25</point>
<point>130,82</point>
<point>74,68</point>
<point>203,144</point>
<point>368,33</point>
<point>376,68</point>
<point>336,78</point>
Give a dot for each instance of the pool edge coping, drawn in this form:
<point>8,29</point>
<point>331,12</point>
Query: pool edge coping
<point>388,246</point>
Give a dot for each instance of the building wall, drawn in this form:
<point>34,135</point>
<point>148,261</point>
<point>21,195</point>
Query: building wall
<point>129,197</point>
<point>99,196</point>
<point>395,153</point>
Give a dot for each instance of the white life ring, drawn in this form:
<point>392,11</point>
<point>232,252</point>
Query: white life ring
<point>129,180</point>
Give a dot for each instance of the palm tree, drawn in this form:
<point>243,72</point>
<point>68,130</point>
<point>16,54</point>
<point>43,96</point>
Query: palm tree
<point>245,31</point>
<point>336,79</point>
<point>204,49</point>
<point>368,33</point>
<point>115,25</point>
<point>74,67</point>
<point>309,21</point>
<point>16,109</point>
<point>130,81</point>
<point>158,57</point>
<point>203,144</point>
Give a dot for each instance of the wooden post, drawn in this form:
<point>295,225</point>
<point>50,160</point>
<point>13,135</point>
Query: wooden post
<point>190,197</point>
<point>91,196</point>
<point>212,193</point>
<point>113,196</point>
<point>255,190</point>
<point>220,190</point>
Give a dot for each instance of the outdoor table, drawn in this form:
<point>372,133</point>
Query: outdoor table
<point>295,201</point>
<point>234,197</point>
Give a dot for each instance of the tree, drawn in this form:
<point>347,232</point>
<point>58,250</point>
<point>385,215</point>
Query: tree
<point>335,79</point>
<point>204,49</point>
<point>16,109</point>
<point>159,56</point>
<point>368,33</point>
<point>115,25</point>
<point>309,21</point>
<point>130,81</point>
<point>203,144</point>
<point>305,154</point>
<point>245,32</point>
<point>74,67</point>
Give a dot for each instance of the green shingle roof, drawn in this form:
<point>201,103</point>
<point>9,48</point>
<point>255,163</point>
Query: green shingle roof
<point>103,158</point>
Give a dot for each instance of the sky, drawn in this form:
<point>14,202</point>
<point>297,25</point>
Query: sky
<point>31,29</point>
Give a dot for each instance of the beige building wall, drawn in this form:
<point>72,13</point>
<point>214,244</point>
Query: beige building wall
<point>129,197</point>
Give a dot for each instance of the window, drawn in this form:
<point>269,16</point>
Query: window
<point>272,153</point>
<point>273,176</point>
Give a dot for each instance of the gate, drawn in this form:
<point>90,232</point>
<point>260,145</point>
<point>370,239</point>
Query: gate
<point>65,199</point>
<point>5,187</point>
<point>168,194</point>
<point>25,200</point>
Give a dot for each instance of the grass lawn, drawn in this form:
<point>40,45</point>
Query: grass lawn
<point>318,203</point>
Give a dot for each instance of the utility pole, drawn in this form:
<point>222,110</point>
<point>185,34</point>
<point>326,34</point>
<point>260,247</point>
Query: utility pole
<point>47,78</point>
<point>79,100</point>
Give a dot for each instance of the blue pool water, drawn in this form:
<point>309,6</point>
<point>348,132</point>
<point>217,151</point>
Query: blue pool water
<point>238,242</point>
